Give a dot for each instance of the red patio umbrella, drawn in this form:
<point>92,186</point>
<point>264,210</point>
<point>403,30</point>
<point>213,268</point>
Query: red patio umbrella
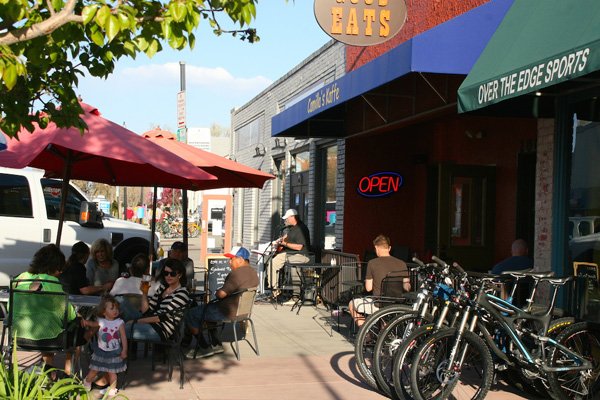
<point>229,173</point>
<point>106,152</point>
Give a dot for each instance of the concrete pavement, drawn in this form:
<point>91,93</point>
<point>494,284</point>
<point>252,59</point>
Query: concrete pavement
<point>298,360</point>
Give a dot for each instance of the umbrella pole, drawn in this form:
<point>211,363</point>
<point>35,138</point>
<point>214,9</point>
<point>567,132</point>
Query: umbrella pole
<point>153,226</point>
<point>64,194</point>
<point>185,216</point>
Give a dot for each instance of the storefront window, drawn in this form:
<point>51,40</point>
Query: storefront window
<point>249,134</point>
<point>330,175</point>
<point>466,211</point>
<point>584,215</point>
<point>301,162</point>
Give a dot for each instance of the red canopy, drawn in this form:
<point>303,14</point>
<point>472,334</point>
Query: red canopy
<point>106,152</point>
<point>228,172</point>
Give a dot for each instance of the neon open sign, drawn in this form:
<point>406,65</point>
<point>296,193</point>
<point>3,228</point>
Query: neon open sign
<point>379,184</point>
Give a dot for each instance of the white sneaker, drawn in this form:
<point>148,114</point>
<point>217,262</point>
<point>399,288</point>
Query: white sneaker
<point>87,385</point>
<point>217,349</point>
<point>110,391</point>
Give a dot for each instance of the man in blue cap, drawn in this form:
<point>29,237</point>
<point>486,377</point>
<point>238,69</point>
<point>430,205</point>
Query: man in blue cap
<point>242,276</point>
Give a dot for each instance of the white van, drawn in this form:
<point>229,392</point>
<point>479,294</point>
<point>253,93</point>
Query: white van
<point>29,210</point>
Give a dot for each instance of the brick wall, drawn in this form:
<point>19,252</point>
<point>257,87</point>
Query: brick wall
<point>543,202</point>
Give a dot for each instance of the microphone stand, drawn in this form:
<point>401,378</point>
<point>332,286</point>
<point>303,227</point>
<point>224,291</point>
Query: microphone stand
<point>272,252</point>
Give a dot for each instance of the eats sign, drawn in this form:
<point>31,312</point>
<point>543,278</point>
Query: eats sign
<point>361,22</point>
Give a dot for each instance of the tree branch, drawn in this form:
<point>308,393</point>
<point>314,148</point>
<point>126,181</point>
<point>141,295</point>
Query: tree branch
<point>43,28</point>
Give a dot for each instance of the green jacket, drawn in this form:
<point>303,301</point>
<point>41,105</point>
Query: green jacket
<point>39,317</point>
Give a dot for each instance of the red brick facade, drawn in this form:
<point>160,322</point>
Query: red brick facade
<point>421,16</point>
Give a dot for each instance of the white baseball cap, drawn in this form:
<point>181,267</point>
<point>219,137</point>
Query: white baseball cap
<point>289,213</point>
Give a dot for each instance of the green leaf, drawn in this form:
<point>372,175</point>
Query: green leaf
<point>166,29</point>
<point>246,16</point>
<point>102,16</point>
<point>98,37</point>
<point>124,20</point>
<point>10,76</point>
<point>130,49</point>
<point>178,11</point>
<point>113,26</point>
<point>141,43</point>
<point>192,41</point>
<point>152,48</point>
<point>88,13</point>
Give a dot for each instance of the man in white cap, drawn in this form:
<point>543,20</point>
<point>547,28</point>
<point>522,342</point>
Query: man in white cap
<point>242,276</point>
<point>295,247</point>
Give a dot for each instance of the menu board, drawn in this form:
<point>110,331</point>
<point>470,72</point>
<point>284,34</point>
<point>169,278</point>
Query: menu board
<point>217,269</point>
<point>588,270</point>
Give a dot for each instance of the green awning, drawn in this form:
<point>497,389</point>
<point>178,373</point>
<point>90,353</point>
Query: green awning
<point>538,44</point>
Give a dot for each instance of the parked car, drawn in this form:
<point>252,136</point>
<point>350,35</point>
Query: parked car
<point>29,211</point>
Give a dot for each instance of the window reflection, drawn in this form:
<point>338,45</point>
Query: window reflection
<point>584,212</point>
<point>330,196</point>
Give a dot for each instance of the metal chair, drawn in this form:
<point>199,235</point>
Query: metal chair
<point>35,312</point>
<point>243,314</point>
<point>173,343</point>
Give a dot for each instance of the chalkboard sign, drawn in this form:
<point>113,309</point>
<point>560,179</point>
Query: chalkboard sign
<point>588,270</point>
<point>217,269</point>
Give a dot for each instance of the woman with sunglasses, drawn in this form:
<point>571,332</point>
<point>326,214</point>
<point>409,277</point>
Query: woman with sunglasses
<point>157,321</point>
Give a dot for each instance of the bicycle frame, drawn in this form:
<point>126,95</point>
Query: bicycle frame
<point>496,308</point>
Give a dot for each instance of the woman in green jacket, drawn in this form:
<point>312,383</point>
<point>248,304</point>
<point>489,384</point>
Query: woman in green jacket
<point>46,265</point>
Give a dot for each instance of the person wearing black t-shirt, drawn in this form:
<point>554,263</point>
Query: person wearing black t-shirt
<point>74,272</point>
<point>296,247</point>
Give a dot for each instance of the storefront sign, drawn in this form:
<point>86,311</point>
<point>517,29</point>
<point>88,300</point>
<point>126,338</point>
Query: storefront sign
<point>361,22</point>
<point>533,77</point>
<point>327,96</point>
<point>379,184</point>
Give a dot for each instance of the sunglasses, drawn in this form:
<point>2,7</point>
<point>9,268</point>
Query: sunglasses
<point>171,273</point>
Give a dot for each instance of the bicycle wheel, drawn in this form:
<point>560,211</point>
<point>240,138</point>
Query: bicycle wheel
<point>367,338</point>
<point>403,360</point>
<point>469,377</point>
<point>582,338</point>
<point>533,382</point>
<point>193,230</point>
<point>390,338</point>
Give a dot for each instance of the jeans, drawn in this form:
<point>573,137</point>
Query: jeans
<point>127,311</point>
<point>142,331</point>
<point>193,317</point>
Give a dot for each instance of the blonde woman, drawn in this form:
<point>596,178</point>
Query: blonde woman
<point>101,270</point>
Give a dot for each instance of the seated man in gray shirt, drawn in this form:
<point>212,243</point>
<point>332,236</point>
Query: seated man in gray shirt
<point>377,270</point>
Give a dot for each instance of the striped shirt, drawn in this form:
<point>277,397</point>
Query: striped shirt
<point>163,308</point>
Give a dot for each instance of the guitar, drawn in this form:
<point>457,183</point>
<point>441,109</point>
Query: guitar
<point>276,245</point>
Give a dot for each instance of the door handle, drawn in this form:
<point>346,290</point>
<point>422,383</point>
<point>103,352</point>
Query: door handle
<point>47,235</point>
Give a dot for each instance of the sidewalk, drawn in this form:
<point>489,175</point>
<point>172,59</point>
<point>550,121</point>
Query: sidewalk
<point>298,360</point>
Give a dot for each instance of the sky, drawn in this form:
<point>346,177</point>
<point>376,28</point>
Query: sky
<point>221,72</point>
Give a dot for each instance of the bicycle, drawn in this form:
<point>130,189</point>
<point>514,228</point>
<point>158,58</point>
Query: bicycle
<point>193,230</point>
<point>458,361</point>
<point>420,311</point>
<point>164,228</point>
<point>404,350</point>
<point>434,294</point>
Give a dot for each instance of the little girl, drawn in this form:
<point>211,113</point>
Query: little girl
<point>110,350</point>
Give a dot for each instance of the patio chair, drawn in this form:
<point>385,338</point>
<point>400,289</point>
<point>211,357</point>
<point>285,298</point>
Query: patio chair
<point>243,314</point>
<point>37,311</point>
<point>172,345</point>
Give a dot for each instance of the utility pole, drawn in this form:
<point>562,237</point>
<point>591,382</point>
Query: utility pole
<point>184,199</point>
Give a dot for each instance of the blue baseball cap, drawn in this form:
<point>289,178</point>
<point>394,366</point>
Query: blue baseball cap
<point>238,251</point>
